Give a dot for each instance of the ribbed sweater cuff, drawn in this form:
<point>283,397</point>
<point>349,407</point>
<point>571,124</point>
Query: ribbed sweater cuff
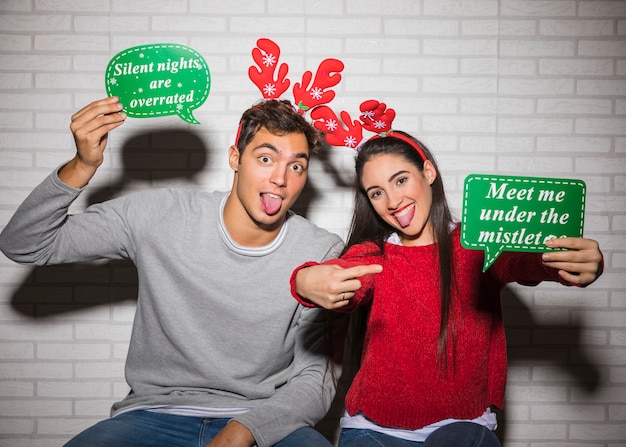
<point>292,282</point>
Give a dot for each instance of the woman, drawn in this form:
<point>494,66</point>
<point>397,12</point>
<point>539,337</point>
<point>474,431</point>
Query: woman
<point>434,357</point>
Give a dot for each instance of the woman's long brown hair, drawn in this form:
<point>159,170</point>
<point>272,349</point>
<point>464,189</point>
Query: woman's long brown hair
<point>368,226</point>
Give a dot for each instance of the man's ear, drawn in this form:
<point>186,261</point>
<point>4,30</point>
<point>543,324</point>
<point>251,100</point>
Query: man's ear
<point>233,158</point>
<point>430,172</point>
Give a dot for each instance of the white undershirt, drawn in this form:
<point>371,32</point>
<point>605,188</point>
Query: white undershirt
<point>487,419</point>
<point>188,410</point>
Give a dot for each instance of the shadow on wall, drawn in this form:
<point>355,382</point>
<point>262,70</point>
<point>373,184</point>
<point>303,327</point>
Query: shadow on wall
<point>147,158</point>
<point>550,345</point>
<point>310,192</point>
<point>150,158</point>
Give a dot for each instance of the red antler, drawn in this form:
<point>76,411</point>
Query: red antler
<point>266,57</point>
<point>336,135</point>
<point>376,117</point>
<point>327,76</point>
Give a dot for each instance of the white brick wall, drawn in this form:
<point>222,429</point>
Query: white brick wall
<point>535,87</point>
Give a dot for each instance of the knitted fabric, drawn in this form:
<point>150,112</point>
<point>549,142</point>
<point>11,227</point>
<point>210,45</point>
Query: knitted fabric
<point>400,382</point>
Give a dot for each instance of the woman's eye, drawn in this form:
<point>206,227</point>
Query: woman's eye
<point>375,194</point>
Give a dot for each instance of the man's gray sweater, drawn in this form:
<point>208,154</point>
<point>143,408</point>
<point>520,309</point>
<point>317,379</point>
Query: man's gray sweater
<point>215,326</point>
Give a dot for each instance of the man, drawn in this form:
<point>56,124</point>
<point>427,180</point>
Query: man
<point>220,354</point>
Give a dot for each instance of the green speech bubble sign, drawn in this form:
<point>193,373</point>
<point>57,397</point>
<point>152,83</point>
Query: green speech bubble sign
<point>510,213</point>
<point>159,80</point>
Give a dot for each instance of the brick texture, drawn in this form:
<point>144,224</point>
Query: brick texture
<point>515,87</point>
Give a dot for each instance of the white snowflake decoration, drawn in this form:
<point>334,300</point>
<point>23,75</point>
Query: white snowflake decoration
<point>316,93</point>
<point>269,89</point>
<point>379,124</point>
<point>331,125</point>
<point>350,141</point>
<point>368,114</point>
<point>269,60</point>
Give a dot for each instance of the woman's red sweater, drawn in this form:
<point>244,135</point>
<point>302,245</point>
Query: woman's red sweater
<point>399,383</point>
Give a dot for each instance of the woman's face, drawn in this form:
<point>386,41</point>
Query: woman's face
<point>401,195</point>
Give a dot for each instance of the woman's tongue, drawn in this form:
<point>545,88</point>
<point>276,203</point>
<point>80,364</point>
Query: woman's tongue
<point>271,203</point>
<point>404,217</point>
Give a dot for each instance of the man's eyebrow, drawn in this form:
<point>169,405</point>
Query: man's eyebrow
<point>302,155</point>
<point>273,148</point>
<point>267,146</point>
<point>393,176</point>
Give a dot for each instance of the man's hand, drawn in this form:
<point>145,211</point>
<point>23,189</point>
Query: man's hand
<point>331,286</point>
<point>90,127</point>
<point>234,434</point>
<point>580,264</point>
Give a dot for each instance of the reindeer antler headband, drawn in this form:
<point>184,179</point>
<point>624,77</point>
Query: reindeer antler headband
<point>272,84</point>
<point>307,95</point>
<point>375,117</point>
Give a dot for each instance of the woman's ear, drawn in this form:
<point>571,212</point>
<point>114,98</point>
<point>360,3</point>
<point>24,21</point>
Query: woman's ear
<point>430,172</point>
<point>233,158</point>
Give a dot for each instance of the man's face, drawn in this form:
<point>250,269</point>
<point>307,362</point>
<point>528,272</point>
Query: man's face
<point>270,175</point>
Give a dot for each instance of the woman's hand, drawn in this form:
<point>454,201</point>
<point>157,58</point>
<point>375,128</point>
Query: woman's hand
<point>331,286</point>
<point>581,263</point>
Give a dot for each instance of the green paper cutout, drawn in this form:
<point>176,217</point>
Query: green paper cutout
<point>159,80</point>
<point>510,213</point>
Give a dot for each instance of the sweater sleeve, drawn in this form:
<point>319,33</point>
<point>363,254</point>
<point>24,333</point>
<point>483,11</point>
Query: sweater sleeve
<point>292,283</point>
<point>526,269</point>
<point>306,398</point>
<point>41,231</point>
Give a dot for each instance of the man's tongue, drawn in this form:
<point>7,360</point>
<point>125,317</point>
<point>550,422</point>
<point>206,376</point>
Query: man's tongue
<point>271,204</point>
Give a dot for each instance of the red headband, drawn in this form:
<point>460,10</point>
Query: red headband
<point>406,139</point>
